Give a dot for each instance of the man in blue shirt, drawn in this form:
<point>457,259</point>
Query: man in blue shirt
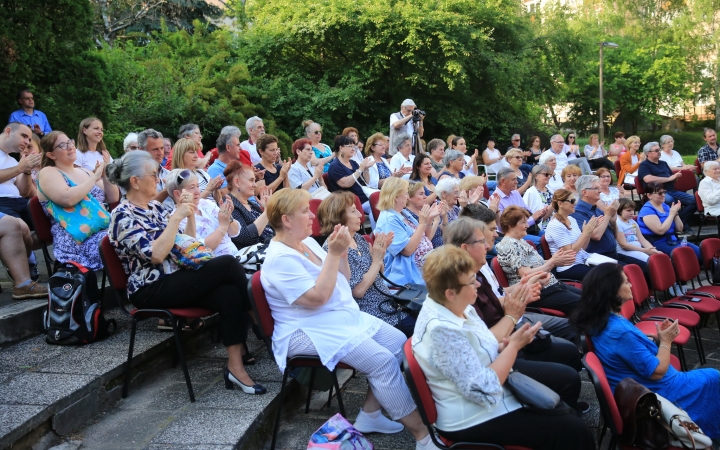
<point>36,120</point>
<point>603,239</point>
<point>228,146</point>
<point>654,170</point>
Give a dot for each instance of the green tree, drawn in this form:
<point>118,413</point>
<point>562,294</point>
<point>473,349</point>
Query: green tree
<point>52,56</point>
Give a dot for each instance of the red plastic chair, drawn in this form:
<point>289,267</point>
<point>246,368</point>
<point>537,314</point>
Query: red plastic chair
<point>314,205</point>
<point>687,268</point>
<point>426,405</point>
<point>626,186</point>
<point>611,415</point>
<point>118,280</point>
<point>325,180</point>
<point>685,315</point>
<point>686,182</point>
<point>704,216</point>
<point>256,293</point>
<point>42,226</point>
<point>502,280</point>
<point>708,248</point>
<point>370,238</point>
<point>698,167</point>
<point>374,199</point>
<point>640,189</point>
<point>545,246</point>
<point>486,192</point>
<point>359,207</point>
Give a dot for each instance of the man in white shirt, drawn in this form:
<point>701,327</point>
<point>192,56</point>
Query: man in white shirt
<point>255,129</point>
<point>401,122</point>
<point>556,147</point>
<point>153,142</point>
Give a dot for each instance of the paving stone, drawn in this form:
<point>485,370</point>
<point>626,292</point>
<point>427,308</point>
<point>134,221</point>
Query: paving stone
<point>217,397</point>
<point>14,416</point>
<point>206,426</point>
<point>42,389</point>
<point>124,429</point>
<point>29,354</point>
<point>201,370</point>
<point>172,397</point>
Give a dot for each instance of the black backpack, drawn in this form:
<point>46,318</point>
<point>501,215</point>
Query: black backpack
<point>74,315</point>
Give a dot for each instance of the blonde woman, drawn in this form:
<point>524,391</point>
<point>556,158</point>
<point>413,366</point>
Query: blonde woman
<point>514,158</point>
<point>630,161</point>
<point>185,156</point>
<point>90,145</point>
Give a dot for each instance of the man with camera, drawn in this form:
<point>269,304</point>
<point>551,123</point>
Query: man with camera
<point>409,120</point>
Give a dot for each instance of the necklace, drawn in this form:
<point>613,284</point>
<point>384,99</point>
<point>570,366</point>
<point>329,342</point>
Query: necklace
<point>306,254</point>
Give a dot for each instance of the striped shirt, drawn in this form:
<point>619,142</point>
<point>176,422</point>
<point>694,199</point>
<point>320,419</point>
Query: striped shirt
<point>558,236</point>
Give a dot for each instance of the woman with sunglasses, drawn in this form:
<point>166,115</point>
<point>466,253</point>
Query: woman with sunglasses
<point>185,156</point>
<point>62,186</point>
<point>660,223</point>
<point>571,149</point>
<point>323,153</point>
<point>538,195</point>
<point>564,233</point>
<point>375,148</point>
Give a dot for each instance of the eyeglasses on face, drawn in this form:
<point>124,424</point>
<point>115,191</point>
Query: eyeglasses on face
<point>660,193</point>
<point>516,157</point>
<point>605,176</point>
<point>557,142</point>
<point>66,145</point>
<point>546,174</point>
<point>317,132</point>
<point>571,137</point>
<point>571,201</point>
<point>516,140</point>
<point>656,150</point>
<point>477,241</point>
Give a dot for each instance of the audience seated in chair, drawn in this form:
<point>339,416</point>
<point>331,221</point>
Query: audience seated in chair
<point>569,176</point>
<point>538,195</point>
<point>422,173</point>
<point>248,209</point>
<point>413,208</point>
<point>143,232</point>
<point>365,260</point>
<point>466,367</point>
<point>518,258</point>
<point>625,352</point>
<point>608,194</point>
<point>449,192</point>
<point>315,314</point>
<point>709,189</point>
<point>62,187</point>
<point>185,156</point>
<point>508,195</point>
<point>345,174</point>
<point>631,241</point>
<point>301,174</point>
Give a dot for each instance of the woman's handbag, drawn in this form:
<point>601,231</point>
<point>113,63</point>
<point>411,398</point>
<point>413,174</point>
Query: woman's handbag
<point>715,268</point>
<point>532,393</point>
<point>367,190</point>
<point>252,257</point>
<point>685,433</point>
<point>189,253</point>
<point>408,298</point>
<point>338,434</point>
<point>81,221</point>
<point>321,193</point>
<point>641,413</point>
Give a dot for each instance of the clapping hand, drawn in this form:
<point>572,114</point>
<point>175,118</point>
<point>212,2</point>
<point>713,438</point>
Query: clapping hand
<point>27,163</point>
<point>524,335</point>
<point>475,196</point>
<point>667,331</point>
<point>339,240</point>
<point>563,258</point>
<point>186,197</point>
<point>382,242</point>
<point>99,171</point>
<point>494,203</point>
<point>285,167</point>
<point>106,156</point>
<point>675,208</point>
<point>263,196</point>
<point>367,163</point>
<point>224,213</point>
<point>260,173</point>
<point>184,210</point>
<point>215,183</point>
<point>589,227</point>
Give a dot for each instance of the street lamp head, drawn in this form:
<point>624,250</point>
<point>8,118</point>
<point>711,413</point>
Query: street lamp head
<point>609,44</point>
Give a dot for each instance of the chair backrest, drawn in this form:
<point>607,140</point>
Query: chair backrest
<point>418,386</point>
<point>545,246</point>
<point>627,310</point>
<point>314,205</point>
<point>639,186</point>
<point>41,222</point>
<point>686,264</point>
<point>686,182</point>
<point>532,244</point>
<point>370,238</point>
<point>662,274</point>
<point>486,192</point>
<point>639,289</point>
<point>262,309</point>
<point>708,248</point>
<point>698,201</point>
<point>358,206</point>
<point>325,180</point>
<point>698,167</point>
<point>113,266</point>
<point>608,407</point>
<point>618,167</point>
<point>499,274</point>
<point>374,199</point>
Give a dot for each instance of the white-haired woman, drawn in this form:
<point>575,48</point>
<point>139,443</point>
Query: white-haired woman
<point>709,189</point>
<point>323,153</point>
<point>538,196</point>
<point>448,191</point>
<point>402,161</point>
<point>672,157</point>
<point>130,142</point>
<point>454,161</point>
<point>555,182</point>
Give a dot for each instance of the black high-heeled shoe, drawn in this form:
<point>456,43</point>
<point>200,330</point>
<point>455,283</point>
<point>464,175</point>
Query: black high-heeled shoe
<point>231,381</point>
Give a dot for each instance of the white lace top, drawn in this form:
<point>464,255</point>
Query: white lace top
<point>454,355</point>
<point>206,223</point>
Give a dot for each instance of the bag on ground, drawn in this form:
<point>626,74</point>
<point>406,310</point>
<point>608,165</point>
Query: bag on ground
<point>74,315</point>
<point>338,434</point>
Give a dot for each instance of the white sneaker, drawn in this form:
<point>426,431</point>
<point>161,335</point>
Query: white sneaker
<point>381,424</point>
<point>429,446</point>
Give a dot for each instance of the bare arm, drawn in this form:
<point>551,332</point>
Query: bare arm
<point>319,294</point>
<point>55,188</point>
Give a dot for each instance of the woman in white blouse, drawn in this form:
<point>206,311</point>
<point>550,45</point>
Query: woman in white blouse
<point>492,158</point>
<point>315,314</point>
<point>376,147</point>
<point>563,232</point>
<point>538,195</point>
<point>214,226</point>
<point>672,157</point>
<point>466,368</point>
<point>185,156</point>
<point>555,182</point>
<point>709,189</point>
<point>302,175</point>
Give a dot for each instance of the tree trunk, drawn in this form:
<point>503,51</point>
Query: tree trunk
<point>554,116</point>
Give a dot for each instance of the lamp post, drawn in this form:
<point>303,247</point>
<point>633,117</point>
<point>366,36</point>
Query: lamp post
<point>601,121</point>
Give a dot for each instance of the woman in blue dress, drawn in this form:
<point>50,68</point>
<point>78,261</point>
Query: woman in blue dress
<point>323,154</point>
<point>625,352</point>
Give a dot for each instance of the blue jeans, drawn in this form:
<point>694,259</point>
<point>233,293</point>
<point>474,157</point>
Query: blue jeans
<point>686,200</point>
<point>666,248</point>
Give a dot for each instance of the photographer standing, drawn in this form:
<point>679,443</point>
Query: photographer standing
<point>408,122</point>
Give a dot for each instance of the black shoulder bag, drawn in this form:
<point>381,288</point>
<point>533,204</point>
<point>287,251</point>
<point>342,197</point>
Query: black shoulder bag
<point>408,298</point>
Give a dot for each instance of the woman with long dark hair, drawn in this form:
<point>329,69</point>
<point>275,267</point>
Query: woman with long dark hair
<point>422,172</point>
<point>625,352</point>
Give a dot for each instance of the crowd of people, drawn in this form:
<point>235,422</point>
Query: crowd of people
<point>178,216</point>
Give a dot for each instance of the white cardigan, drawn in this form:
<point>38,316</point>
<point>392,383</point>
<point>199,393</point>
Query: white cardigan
<point>709,192</point>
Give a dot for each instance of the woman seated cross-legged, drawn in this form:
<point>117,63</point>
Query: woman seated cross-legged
<point>72,198</point>
<point>315,314</point>
<point>145,234</point>
<point>466,368</point>
<point>366,261</point>
<point>563,232</point>
<point>625,352</point>
<point>518,258</point>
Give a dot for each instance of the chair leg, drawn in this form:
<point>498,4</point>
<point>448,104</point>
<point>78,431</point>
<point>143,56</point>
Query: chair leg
<point>181,356</point>
<point>102,287</point>
<point>699,345</point>
<point>681,357</point>
<point>128,365</point>
<point>46,256</point>
<point>310,388</point>
<point>276,427</point>
<point>339,395</point>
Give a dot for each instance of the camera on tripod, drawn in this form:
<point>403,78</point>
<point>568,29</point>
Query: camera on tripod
<point>417,113</point>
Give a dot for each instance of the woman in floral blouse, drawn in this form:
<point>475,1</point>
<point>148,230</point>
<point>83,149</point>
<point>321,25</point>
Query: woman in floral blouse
<point>143,232</point>
<point>366,262</point>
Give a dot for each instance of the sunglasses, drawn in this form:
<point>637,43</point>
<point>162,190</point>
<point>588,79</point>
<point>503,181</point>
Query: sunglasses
<point>546,174</point>
<point>317,132</point>
<point>182,176</point>
<point>571,201</point>
<point>571,137</point>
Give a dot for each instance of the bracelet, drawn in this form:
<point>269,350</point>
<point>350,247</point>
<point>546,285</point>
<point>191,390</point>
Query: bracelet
<point>663,345</point>
<point>512,318</point>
